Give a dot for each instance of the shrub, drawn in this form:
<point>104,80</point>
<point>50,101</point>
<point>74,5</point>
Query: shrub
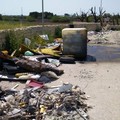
<point>58,32</point>
<point>61,19</point>
<point>98,29</point>
<point>13,40</point>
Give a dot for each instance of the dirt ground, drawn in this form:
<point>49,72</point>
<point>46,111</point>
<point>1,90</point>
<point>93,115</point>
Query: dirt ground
<point>99,80</point>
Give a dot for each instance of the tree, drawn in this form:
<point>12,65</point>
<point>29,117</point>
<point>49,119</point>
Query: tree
<point>66,15</point>
<point>113,19</point>
<point>61,19</point>
<point>94,13</point>
<point>37,15</point>
<point>84,16</point>
<point>48,15</point>
<point>0,17</point>
<point>101,12</point>
<point>34,15</point>
<point>117,18</point>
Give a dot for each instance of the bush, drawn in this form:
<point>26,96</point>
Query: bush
<point>0,17</point>
<point>30,19</point>
<point>98,29</point>
<point>37,40</point>
<point>58,32</point>
<point>62,19</point>
<point>13,40</point>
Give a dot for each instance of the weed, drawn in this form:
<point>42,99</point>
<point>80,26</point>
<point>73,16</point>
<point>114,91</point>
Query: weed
<point>13,41</point>
<point>58,32</point>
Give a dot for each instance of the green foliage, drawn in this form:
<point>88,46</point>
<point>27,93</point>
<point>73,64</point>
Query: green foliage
<point>15,24</point>
<point>90,18</point>
<point>11,18</point>
<point>13,40</point>
<point>98,29</point>
<point>36,40</point>
<point>48,15</point>
<point>62,19</point>
<point>34,15</point>
<point>16,18</point>
<point>30,19</point>
<point>67,15</point>
<point>0,17</point>
<point>9,25</point>
<point>58,32</point>
<point>37,15</point>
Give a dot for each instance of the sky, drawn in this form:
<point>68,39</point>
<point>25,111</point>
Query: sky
<point>59,7</point>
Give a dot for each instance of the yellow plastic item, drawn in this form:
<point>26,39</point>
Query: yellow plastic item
<point>24,48</point>
<point>20,74</point>
<point>49,51</point>
<point>43,109</point>
<point>58,47</point>
<point>5,52</point>
<point>22,104</point>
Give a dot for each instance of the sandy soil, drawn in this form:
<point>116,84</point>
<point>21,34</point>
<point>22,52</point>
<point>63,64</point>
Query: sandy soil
<point>100,81</point>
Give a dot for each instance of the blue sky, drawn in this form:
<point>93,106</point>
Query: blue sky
<point>59,7</point>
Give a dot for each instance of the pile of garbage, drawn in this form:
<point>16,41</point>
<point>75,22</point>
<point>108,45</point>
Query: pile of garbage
<point>37,101</point>
<point>65,102</point>
<point>29,64</point>
<point>102,37</point>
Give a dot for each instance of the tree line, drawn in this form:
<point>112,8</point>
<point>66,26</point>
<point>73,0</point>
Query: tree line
<point>90,16</point>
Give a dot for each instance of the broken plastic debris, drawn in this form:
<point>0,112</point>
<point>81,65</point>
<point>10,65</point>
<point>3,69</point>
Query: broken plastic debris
<point>65,87</point>
<point>14,111</point>
<point>39,103</point>
<point>28,53</point>
<point>54,62</point>
<point>32,83</point>
<point>44,79</point>
<point>27,41</point>
<point>44,37</point>
<point>62,88</point>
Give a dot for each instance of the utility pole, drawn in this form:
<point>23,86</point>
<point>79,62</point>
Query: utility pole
<point>21,18</point>
<point>42,16</point>
<point>101,4</point>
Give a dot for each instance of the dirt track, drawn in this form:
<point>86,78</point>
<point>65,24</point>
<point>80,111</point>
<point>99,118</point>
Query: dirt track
<point>101,82</point>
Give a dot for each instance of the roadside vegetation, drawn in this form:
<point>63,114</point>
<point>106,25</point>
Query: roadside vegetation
<point>14,24</point>
<point>35,18</point>
<point>13,40</point>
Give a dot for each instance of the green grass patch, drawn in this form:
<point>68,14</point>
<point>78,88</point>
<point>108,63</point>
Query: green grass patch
<point>15,24</point>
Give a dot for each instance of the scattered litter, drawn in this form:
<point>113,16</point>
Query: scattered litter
<point>44,37</point>
<point>27,41</point>
<point>37,101</point>
<point>39,104</point>
<point>37,67</point>
<point>44,79</point>
<point>33,83</point>
<point>28,53</point>
<point>15,111</point>
<point>67,59</point>
<point>54,62</point>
